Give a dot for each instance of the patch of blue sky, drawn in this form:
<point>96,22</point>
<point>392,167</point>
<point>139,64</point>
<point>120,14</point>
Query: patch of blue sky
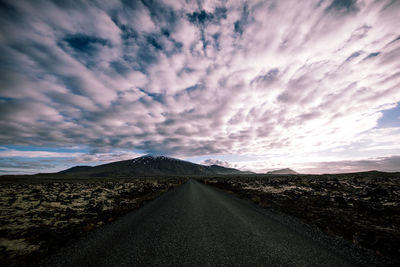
<point>156,97</point>
<point>390,118</point>
<point>5,99</point>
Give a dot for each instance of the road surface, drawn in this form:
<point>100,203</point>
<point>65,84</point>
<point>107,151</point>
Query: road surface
<point>197,225</point>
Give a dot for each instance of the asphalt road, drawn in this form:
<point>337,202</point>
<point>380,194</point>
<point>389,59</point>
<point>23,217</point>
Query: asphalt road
<point>197,225</point>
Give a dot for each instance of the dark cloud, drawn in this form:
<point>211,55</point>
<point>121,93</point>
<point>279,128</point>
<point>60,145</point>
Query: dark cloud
<point>8,11</point>
<point>201,18</point>
<point>120,67</point>
<point>220,13</point>
<point>152,40</point>
<point>162,13</point>
<point>240,24</point>
<point>86,44</point>
<point>194,78</point>
<point>345,6</point>
<point>127,32</point>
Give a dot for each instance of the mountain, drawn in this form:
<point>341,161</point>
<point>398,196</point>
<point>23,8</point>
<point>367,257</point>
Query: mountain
<point>75,169</point>
<point>283,171</point>
<point>150,166</point>
<point>223,170</point>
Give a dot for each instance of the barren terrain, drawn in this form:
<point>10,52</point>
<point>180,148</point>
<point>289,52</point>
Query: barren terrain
<point>39,217</point>
<point>363,208</point>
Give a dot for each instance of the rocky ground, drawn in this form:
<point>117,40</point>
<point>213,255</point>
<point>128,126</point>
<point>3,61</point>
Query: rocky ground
<point>36,218</point>
<point>363,208</point>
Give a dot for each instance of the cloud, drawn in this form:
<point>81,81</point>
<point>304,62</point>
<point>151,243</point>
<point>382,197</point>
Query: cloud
<point>37,154</point>
<point>104,157</point>
<point>10,163</point>
<point>202,78</point>
<point>345,6</point>
<point>218,162</point>
<point>30,162</point>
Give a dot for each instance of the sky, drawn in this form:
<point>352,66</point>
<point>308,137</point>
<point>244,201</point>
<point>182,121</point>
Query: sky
<point>255,85</point>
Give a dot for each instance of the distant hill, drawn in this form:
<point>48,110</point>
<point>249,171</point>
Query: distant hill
<point>150,166</point>
<point>283,171</point>
<point>223,170</point>
<point>75,169</point>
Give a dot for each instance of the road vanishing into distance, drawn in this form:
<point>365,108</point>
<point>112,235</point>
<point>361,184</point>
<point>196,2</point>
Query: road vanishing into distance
<point>197,225</point>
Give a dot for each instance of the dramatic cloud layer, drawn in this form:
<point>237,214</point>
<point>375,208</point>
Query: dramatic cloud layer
<point>262,78</point>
